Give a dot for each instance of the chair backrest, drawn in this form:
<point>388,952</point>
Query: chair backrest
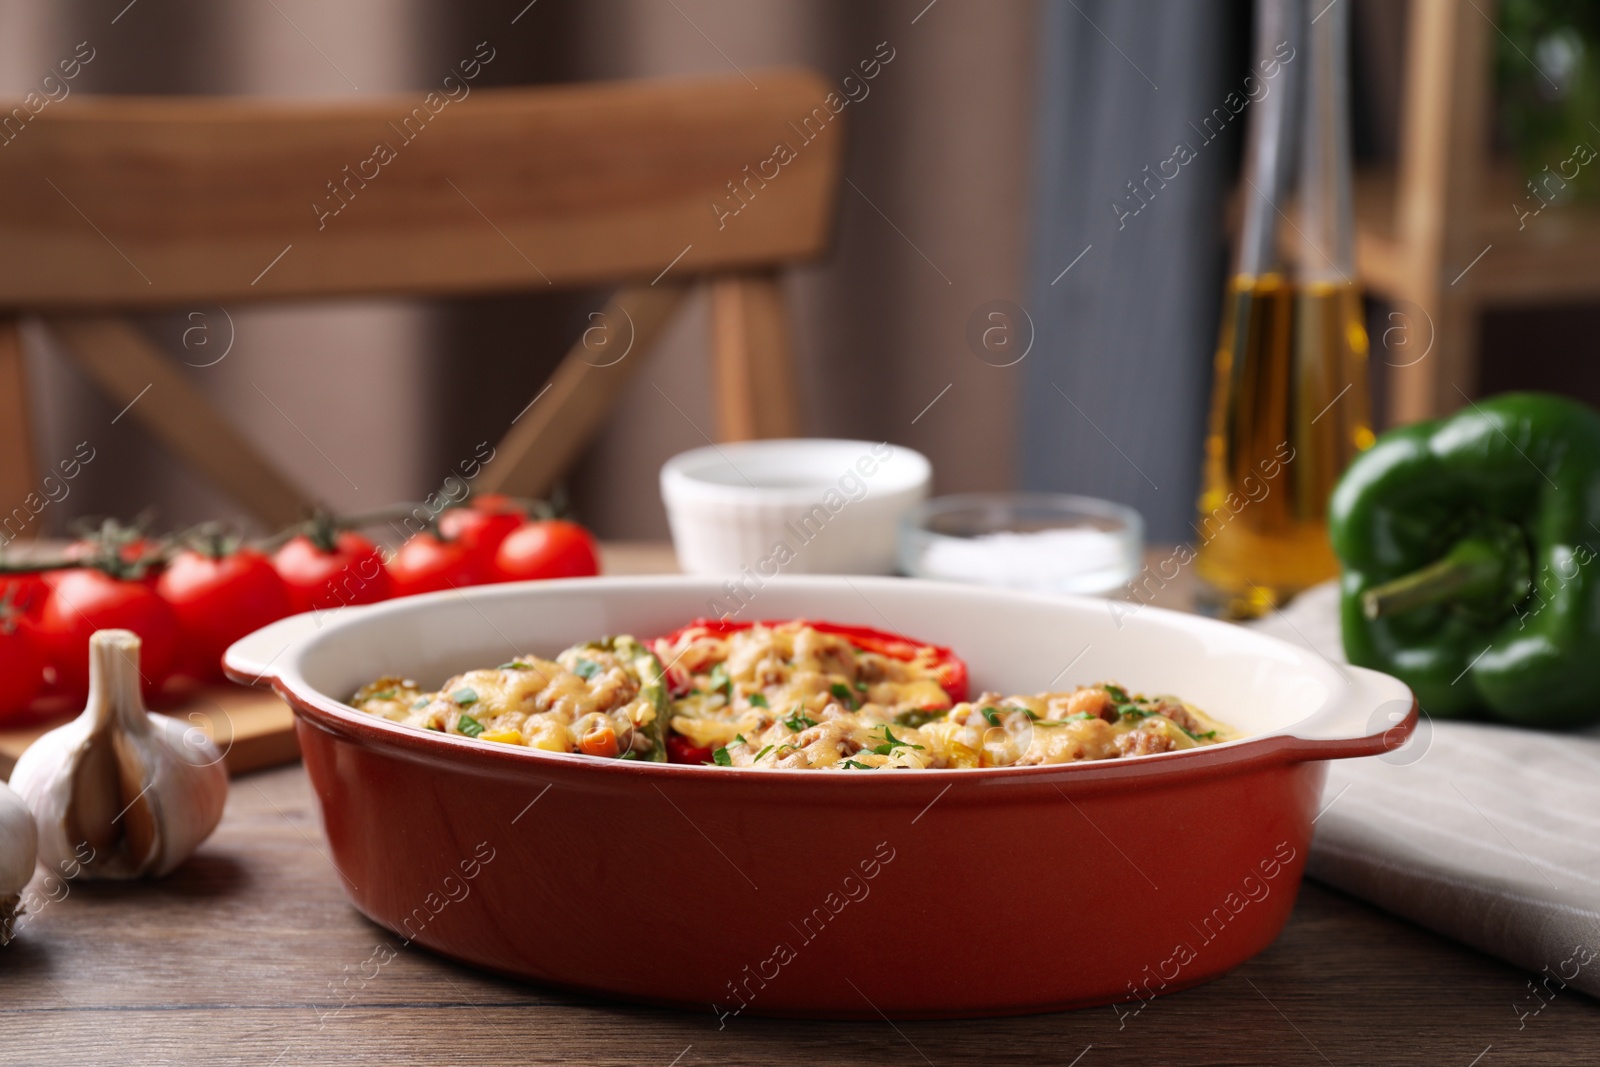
<point>132,202</point>
<point>115,204</point>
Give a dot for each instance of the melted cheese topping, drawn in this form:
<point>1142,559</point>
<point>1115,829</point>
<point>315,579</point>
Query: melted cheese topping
<point>792,696</point>
<point>556,705</point>
<point>747,680</point>
<point>789,696</point>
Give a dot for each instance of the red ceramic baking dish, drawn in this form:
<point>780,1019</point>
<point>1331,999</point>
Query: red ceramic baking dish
<point>818,893</point>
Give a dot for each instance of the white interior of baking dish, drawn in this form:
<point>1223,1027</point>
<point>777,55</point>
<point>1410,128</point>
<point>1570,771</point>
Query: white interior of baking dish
<point>1012,642</point>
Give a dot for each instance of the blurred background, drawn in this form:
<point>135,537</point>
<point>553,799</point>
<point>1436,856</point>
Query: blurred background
<point>980,168</point>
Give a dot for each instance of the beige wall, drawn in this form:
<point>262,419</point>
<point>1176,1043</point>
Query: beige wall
<point>940,146</point>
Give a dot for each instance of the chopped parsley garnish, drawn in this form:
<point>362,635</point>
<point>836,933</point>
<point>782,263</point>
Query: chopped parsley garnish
<point>630,754</point>
<point>720,682</point>
<point>763,752</point>
<point>465,697</point>
<point>798,719</point>
<point>853,765</point>
<point>1128,707</point>
<point>1207,736</point>
<point>990,716</point>
<point>515,665</point>
<point>759,700</point>
<point>891,742</point>
<point>469,726</point>
<point>1079,717</point>
<point>740,738</point>
<point>420,702</point>
<point>862,686</point>
<point>920,717</point>
<point>842,694</point>
<point>387,694</point>
<point>720,757</point>
<point>586,669</point>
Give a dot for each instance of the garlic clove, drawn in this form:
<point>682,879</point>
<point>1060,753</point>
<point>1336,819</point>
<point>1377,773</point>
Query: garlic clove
<point>136,792</point>
<point>19,849</point>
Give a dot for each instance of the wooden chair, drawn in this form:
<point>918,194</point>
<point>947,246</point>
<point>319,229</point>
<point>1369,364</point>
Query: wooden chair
<point>1439,233</point>
<point>116,204</point>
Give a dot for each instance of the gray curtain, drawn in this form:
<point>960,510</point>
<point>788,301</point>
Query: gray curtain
<point>1119,379</point>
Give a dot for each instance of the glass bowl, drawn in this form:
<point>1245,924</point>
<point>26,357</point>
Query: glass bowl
<point>1040,542</point>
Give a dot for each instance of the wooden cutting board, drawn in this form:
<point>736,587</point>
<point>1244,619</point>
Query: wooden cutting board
<point>254,727</point>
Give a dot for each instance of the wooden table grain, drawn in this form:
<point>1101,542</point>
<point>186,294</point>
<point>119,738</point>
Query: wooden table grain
<point>249,954</point>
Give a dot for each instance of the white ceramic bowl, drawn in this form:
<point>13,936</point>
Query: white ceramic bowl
<point>801,506</point>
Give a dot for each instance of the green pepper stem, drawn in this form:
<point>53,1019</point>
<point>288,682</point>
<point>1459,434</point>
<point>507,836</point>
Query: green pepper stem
<point>1474,568</point>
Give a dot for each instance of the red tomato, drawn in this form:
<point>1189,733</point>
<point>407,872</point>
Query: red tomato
<point>547,548</point>
<point>24,593</point>
<point>425,564</point>
<point>219,600</point>
<point>83,601</point>
<point>22,666</point>
<point>482,527</point>
<point>351,574</point>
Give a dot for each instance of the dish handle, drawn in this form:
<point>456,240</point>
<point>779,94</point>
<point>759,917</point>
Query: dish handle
<point>250,659</point>
<point>1373,714</point>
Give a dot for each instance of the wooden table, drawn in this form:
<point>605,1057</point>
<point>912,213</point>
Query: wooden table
<point>250,954</point>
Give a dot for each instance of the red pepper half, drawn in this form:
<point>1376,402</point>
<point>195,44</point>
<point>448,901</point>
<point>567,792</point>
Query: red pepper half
<point>950,669</point>
<point>681,750</point>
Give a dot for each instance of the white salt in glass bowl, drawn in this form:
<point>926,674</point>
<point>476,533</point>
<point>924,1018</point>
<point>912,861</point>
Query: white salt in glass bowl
<point>1040,542</point>
<point>797,506</point>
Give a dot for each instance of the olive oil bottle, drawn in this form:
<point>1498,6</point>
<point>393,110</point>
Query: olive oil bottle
<point>1290,401</point>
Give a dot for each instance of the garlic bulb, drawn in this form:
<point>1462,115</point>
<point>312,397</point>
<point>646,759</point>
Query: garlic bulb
<point>141,791</point>
<point>19,848</point>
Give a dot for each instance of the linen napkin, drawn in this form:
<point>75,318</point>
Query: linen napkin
<point>1486,834</point>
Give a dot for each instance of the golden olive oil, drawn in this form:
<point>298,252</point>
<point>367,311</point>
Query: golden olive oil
<point>1288,410</point>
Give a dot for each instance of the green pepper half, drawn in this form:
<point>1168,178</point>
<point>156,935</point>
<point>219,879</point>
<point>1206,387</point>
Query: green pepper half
<point>1467,545</point>
<point>652,686</point>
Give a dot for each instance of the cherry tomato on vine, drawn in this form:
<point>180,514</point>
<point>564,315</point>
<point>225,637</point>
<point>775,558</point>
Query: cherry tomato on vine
<point>86,600</point>
<point>22,664</point>
<point>427,564</point>
<point>121,550</point>
<point>482,526</point>
<point>218,599</point>
<point>547,548</point>
<point>349,571</point>
<point>24,593</point>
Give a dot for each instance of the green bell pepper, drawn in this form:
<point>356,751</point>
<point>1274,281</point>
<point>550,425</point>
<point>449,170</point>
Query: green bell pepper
<point>1466,544</point>
<point>644,664</point>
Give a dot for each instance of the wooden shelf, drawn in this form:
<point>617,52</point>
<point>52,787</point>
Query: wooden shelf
<point>1553,257</point>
